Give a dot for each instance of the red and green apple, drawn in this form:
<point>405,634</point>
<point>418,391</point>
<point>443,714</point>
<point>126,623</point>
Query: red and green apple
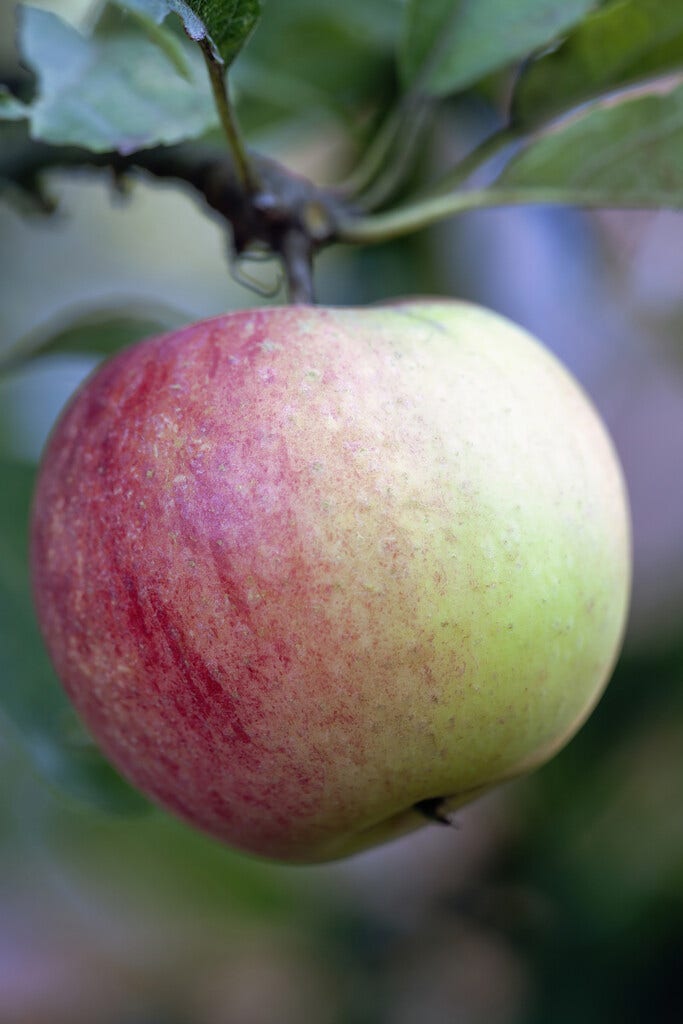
<point>305,572</point>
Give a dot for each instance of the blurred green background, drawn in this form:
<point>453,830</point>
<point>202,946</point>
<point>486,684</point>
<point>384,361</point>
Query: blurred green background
<point>558,898</point>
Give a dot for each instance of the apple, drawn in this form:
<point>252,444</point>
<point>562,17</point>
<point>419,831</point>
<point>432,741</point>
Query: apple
<point>308,573</point>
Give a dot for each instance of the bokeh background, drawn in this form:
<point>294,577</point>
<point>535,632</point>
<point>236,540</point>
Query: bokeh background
<point>558,898</point>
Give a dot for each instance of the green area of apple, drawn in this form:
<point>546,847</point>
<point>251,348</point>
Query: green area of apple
<point>302,570</point>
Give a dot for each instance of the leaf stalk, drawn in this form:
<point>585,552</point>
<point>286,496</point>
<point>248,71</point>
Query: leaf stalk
<point>244,169</point>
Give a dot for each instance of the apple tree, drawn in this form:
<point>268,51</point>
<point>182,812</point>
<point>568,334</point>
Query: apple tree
<point>162,161</point>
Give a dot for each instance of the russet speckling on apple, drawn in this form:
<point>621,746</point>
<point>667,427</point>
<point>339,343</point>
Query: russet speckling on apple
<point>302,569</point>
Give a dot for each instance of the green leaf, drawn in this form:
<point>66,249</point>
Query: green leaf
<point>450,44</point>
<point>11,109</point>
<point>300,58</point>
<point>621,43</point>
<point>30,696</point>
<point>229,22</point>
<point>91,332</point>
<point>226,24</point>
<point>115,92</point>
<point>625,151</point>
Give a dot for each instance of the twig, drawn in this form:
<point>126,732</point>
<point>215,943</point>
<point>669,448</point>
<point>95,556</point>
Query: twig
<point>382,227</point>
<point>290,217</point>
<point>395,172</point>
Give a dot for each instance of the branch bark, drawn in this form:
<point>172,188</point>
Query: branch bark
<point>289,215</point>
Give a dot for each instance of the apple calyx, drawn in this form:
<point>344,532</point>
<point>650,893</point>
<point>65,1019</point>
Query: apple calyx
<point>435,809</point>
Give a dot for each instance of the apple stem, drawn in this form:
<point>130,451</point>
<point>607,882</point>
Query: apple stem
<point>297,258</point>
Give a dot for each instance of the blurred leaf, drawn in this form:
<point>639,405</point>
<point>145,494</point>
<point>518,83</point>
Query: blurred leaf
<point>151,23</point>
<point>450,44</point>
<point>624,151</point>
<point>301,55</point>
<point>115,92</point>
<point>30,695</point>
<point>154,10</point>
<point>620,43</point>
<point>175,863</point>
<point>11,109</point>
<point>91,332</point>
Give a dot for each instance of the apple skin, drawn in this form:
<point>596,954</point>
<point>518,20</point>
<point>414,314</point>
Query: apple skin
<point>300,569</point>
